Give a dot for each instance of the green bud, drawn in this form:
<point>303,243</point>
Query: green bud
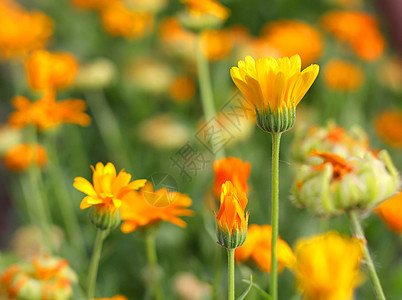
<point>277,121</point>
<point>104,217</point>
<point>231,240</point>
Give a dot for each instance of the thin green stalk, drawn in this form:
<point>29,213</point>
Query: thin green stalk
<point>276,138</point>
<point>93,267</point>
<point>207,98</point>
<point>153,263</point>
<point>359,233</point>
<point>231,275</point>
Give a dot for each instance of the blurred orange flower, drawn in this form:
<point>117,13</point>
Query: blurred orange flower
<point>118,20</point>
<point>182,89</point>
<point>207,7</point>
<point>292,37</point>
<point>343,75</point>
<point>108,190</point>
<point>22,31</point>
<point>257,247</point>
<point>147,207</point>
<point>50,71</point>
<point>20,157</point>
<point>358,29</point>
<point>216,44</point>
<point>91,4</point>
<point>390,211</point>
<point>118,297</point>
<point>46,112</point>
<point>388,125</point>
<point>231,169</point>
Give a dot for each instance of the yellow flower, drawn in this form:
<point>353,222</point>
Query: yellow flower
<point>207,7</point>
<point>327,266</point>
<point>292,37</point>
<point>274,87</point>
<point>342,75</point>
<point>390,211</point>
<point>108,189</point>
<point>258,248</point>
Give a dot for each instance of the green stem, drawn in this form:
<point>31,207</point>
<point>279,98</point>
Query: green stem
<point>207,98</point>
<point>276,138</point>
<point>231,274</point>
<point>359,233</point>
<point>93,267</point>
<point>153,263</point>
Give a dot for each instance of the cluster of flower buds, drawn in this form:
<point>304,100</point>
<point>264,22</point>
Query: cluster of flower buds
<point>45,277</point>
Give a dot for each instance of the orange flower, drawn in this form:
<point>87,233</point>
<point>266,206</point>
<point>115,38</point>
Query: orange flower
<point>50,71</point>
<point>20,157</point>
<point>207,7</point>
<point>147,207</point>
<point>231,216</point>
<point>388,125</point>
<point>231,169</point>
<point>340,166</point>
<point>358,29</point>
<point>118,297</point>
<point>257,247</point>
<point>342,75</point>
<point>108,190</point>
<point>390,211</point>
<point>21,31</point>
<point>91,4</point>
<point>121,21</point>
<point>46,112</point>
<point>216,44</point>
<point>292,37</point>
<point>182,89</point>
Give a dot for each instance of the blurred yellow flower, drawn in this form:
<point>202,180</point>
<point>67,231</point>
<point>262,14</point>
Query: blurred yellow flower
<point>207,7</point>
<point>20,157</point>
<point>273,85</point>
<point>258,248</point>
<point>50,71</point>
<point>358,29</point>
<point>231,169</point>
<point>47,113</point>
<point>182,89</point>
<point>22,31</point>
<point>148,207</point>
<point>216,44</point>
<point>118,20</point>
<point>388,125</point>
<point>292,37</point>
<point>327,266</point>
<point>109,189</point>
<point>342,75</point>
<point>390,211</point>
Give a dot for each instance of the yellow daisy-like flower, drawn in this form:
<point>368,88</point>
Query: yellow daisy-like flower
<point>275,88</point>
<point>106,194</point>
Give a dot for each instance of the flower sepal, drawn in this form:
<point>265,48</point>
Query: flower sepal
<point>278,121</point>
<point>231,240</point>
<point>103,217</point>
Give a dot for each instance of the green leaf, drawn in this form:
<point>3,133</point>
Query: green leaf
<point>243,296</point>
<point>263,293</point>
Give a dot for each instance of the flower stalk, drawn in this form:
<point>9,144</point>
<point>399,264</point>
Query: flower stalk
<point>359,233</point>
<point>276,138</point>
<point>153,263</point>
<point>93,267</point>
<point>231,275</point>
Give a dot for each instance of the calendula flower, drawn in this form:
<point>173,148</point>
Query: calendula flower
<point>47,113</point>
<point>339,184</point>
<point>182,89</point>
<point>207,7</point>
<point>20,157</point>
<point>22,31</point>
<point>118,20</point>
<point>45,277</point>
<point>327,266</point>
<point>231,169</point>
<point>118,297</point>
<point>50,71</point>
<point>232,219</point>
<point>148,207</point>
<point>275,88</point>
<point>388,125</point>
<point>292,37</point>
<point>358,29</point>
<point>216,44</point>
<point>390,211</point>
<point>257,247</point>
<point>342,75</point>
<point>106,195</point>
<point>91,4</point>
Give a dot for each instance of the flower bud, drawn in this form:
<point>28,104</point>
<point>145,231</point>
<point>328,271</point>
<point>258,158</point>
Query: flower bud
<point>104,218</point>
<point>277,121</point>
